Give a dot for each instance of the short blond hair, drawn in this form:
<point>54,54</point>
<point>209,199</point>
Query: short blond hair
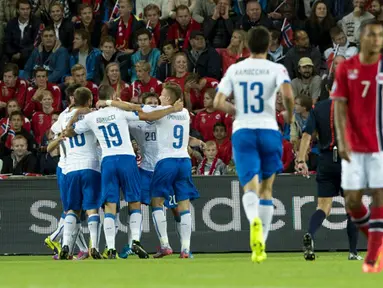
<point>76,68</point>
<point>20,137</point>
<point>144,65</point>
<point>211,144</point>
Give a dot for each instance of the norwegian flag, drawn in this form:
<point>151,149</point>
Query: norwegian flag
<point>38,36</point>
<point>287,34</point>
<point>115,12</point>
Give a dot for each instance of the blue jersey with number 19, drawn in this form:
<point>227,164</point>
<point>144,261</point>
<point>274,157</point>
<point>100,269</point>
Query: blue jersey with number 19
<point>254,83</point>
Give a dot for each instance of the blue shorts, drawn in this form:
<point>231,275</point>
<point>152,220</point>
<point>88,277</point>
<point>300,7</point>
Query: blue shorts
<point>83,190</point>
<point>117,172</point>
<point>172,180</point>
<point>61,184</point>
<point>146,179</point>
<point>257,152</point>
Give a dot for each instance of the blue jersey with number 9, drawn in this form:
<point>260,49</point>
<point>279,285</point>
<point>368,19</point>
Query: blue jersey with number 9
<point>172,133</point>
<point>254,83</point>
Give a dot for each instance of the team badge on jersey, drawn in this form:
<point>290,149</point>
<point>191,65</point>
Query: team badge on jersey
<point>353,74</point>
<point>203,120</point>
<point>218,117</point>
<point>379,78</point>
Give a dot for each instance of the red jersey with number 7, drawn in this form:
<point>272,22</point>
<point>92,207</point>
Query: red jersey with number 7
<point>361,86</point>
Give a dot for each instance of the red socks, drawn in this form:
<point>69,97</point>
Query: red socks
<point>375,234</point>
<point>360,217</point>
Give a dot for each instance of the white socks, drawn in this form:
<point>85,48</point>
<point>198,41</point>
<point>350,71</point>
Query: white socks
<point>69,228</point>
<point>58,233</point>
<point>110,230</point>
<point>94,227</point>
<point>80,240</point>
<point>250,201</point>
<point>185,230</point>
<point>266,211</point>
<point>160,224</point>
<point>135,222</point>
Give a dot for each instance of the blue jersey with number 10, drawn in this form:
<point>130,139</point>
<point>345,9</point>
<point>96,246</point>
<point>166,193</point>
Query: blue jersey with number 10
<point>111,127</point>
<point>254,83</point>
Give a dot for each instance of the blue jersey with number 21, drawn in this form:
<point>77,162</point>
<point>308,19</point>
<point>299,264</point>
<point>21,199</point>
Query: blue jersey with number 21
<point>111,127</point>
<point>254,83</point>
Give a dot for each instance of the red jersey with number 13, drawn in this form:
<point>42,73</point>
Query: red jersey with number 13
<point>361,86</point>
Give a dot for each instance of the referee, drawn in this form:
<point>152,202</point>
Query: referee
<point>321,120</point>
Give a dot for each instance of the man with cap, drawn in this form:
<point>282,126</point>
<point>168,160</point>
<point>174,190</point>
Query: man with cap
<point>202,59</point>
<point>307,83</point>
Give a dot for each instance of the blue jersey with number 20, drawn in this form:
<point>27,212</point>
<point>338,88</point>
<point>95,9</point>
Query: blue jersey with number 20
<point>254,83</point>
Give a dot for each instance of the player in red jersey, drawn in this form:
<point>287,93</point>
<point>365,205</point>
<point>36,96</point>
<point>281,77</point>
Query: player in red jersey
<point>359,125</point>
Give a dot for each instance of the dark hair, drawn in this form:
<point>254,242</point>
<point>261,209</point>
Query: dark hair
<point>305,102</point>
<point>143,31</point>
<point>39,69</point>
<point>220,124</point>
<point>297,32</point>
<point>84,6</point>
<point>148,95</point>
<point>107,39</point>
<point>175,90</point>
<point>49,28</point>
<point>70,90</point>
<point>81,96</point>
<point>335,31</point>
<point>259,40</point>
<point>253,2</point>
<point>84,35</point>
<point>169,42</point>
<point>105,92</point>
<point>15,113</point>
<point>275,34</point>
<point>56,113</point>
<point>327,22</point>
<point>26,2</point>
<point>182,7</point>
<point>11,67</point>
<point>368,22</point>
<point>192,77</point>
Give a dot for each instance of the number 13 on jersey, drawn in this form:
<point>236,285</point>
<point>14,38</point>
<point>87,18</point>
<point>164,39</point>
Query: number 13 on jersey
<point>253,90</point>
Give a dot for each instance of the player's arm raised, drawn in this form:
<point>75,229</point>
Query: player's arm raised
<point>119,104</point>
<point>225,89</point>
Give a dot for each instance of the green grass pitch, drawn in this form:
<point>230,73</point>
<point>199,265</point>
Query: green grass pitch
<point>281,270</point>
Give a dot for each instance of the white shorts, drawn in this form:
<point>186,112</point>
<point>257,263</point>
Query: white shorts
<point>364,171</point>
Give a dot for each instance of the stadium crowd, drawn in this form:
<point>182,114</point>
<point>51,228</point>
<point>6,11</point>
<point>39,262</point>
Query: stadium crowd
<point>50,48</point>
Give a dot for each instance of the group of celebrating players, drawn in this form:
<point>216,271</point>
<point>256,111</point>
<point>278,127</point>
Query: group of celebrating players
<point>162,131</point>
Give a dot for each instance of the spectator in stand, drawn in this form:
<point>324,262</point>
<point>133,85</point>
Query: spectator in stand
<point>301,49</point>
<point>17,128</point>
<point>328,80</point>
<point>145,83</point>
<point>277,52</point>
<point>350,23</point>
<point>50,55</point>
<point>318,26</point>
<point>86,55</point>
<point>223,142</point>
<point>109,53</point>
<point>12,87</point>
<point>179,70</point>
<point>112,77</point>
<point>307,83</point>
<point>206,119</point>
<point>287,154</point>
<point>164,64</point>
<point>203,59</point>
<point>123,28</point>
<point>90,24</point>
<point>219,28</point>
<point>5,123</point>
<point>42,8</point>
<point>41,120</point>
<point>205,9</point>
<point>79,77</point>
<point>211,165</point>
<point>195,89</point>
<point>288,9</point>
<point>63,27</point>
<point>303,106</point>
<point>20,35</point>
<point>345,48</point>
<point>35,94</point>
<point>69,92</point>
<point>236,50</point>
<point>339,8</point>
<point>21,160</point>
<point>162,5</point>
<point>190,4</point>
<point>8,11</point>
<point>145,52</point>
<point>156,26</point>
<point>49,161</point>
<point>181,30</point>
<point>254,17</point>
<point>376,10</point>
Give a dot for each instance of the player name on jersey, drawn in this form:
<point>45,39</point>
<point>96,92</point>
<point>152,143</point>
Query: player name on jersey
<point>106,119</point>
<point>252,72</point>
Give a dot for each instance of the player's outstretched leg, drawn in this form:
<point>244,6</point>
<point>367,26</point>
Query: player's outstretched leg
<point>186,228</point>
<point>160,224</point>
<point>53,240</point>
<point>352,234</point>
<point>135,223</point>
